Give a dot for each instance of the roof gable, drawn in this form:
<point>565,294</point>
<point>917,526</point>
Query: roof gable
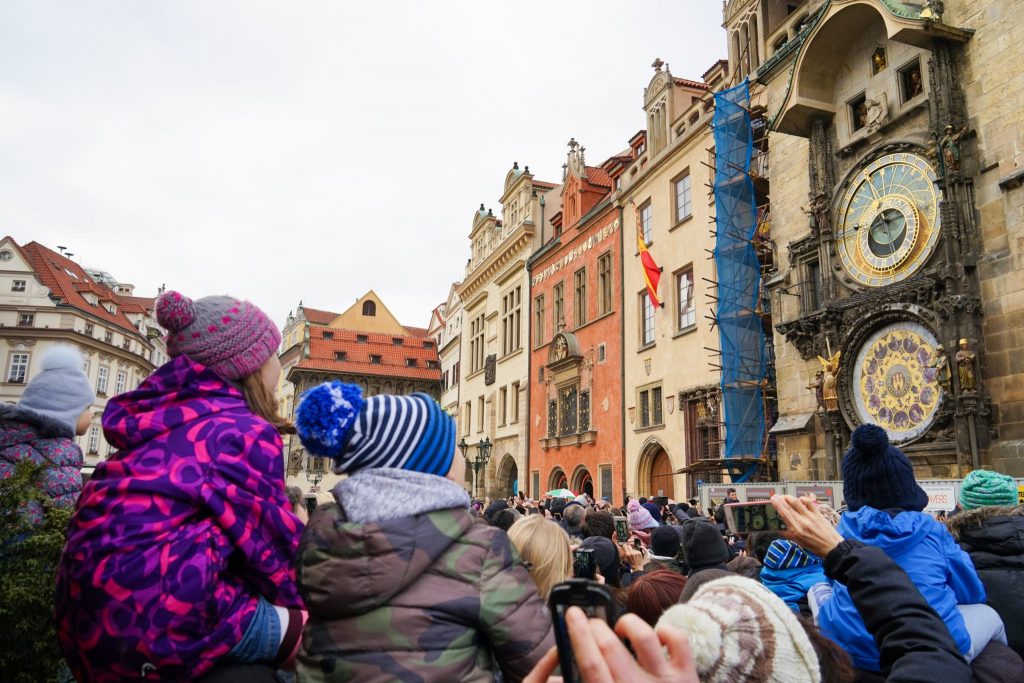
<point>369,314</point>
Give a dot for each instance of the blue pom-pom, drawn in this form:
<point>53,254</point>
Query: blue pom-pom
<point>326,415</point>
<point>870,439</point>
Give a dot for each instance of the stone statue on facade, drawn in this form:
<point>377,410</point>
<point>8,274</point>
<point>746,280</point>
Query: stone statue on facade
<point>817,213</point>
<point>818,385</point>
<point>933,9</point>
<point>940,363</point>
<point>877,113</point>
<point>965,359</point>
<point>949,147</point>
<point>830,376</point>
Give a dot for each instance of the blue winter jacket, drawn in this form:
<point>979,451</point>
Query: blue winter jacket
<point>791,585</point>
<point>942,572</point>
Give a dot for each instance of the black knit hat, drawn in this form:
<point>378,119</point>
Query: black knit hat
<point>703,546</point>
<point>493,509</point>
<point>664,541</point>
<point>879,475</point>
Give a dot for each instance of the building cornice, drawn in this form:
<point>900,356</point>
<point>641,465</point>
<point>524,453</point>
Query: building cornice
<point>495,263</point>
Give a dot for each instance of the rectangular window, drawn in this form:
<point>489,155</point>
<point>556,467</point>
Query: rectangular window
<point>476,343</point>
<point>645,408</point>
<point>604,283</point>
<point>467,419</point>
<point>328,335</point>
<point>646,320</point>
<point>538,320</point>
<point>397,341</point>
<point>374,359</point>
<point>108,337</point>
<point>579,301</point>
<point>684,203</point>
<point>552,418</point>
<point>812,294</point>
<point>601,353</point>
<point>94,440</point>
<point>89,329</point>
<point>101,380</point>
<point>686,309</point>
<point>606,481</point>
<point>657,417</point>
<point>511,322</point>
<point>911,84</point>
<point>26,319</point>
<point>362,338</point>
<point>702,433</point>
<point>645,221</point>
<point>340,355</point>
<point>18,286</point>
<point>18,368</point>
<point>502,406</point>
<point>480,414</point>
<point>515,402</point>
<point>858,111</point>
<point>121,383</point>
<point>410,362</point>
<point>536,484</point>
<point>584,411</point>
<point>559,310</point>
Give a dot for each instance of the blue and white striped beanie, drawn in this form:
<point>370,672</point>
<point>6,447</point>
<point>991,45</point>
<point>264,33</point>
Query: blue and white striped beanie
<point>783,554</point>
<point>405,432</point>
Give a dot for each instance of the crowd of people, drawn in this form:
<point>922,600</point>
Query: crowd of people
<point>188,559</point>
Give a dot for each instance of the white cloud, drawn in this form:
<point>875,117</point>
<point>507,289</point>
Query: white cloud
<point>309,150</point>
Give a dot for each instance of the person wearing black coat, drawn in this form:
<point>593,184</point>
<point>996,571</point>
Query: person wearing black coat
<point>994,538</point>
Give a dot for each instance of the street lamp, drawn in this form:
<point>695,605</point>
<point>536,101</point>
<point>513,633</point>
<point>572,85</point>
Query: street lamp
<point>314,471</point>
<point>479,462</point>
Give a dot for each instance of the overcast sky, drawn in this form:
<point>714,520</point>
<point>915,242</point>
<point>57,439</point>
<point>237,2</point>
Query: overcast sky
<point>294,150</point>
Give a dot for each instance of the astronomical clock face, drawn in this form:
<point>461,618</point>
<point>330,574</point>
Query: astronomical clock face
<point>888,220</point>
<point>893,385</point>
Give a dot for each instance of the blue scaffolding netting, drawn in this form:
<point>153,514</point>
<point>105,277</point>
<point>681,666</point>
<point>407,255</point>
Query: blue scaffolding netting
<point>739,275</point>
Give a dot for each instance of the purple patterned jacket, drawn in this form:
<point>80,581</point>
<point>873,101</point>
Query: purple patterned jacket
<point>176,534</point>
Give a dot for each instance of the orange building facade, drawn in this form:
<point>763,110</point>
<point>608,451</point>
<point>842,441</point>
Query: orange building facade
<point>576,416</point>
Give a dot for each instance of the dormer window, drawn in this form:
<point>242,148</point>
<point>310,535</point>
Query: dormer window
<point>362,338</point>
<point>410,362</point>
<point>340,355</point>
<point>369,309</point>
<point>397,341</point>
<point>92,299</point>
<point>428,344</point>
<point>328,336</point>
<point>375,359</point>
<point>112,308</point>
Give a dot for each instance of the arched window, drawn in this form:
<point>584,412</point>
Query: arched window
<point>369,308</point>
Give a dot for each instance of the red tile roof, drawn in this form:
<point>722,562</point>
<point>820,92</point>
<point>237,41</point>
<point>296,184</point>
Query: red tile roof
<point>691,84</point>
<point>322,355</point>
<point>418,331</point>
<point>68,281</point>
<point>318,317</point>
<point>138,304</point>
<point>598,176</point>
<point>724,63</point>
<point>546,185</point>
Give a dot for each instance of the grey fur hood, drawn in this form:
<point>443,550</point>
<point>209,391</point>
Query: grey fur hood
<point>44,426</point>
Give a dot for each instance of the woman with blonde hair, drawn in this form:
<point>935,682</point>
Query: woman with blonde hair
<point>544,548</point>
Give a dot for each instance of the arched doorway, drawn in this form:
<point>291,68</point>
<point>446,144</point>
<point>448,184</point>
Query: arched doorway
<point>557,480</point>
<point>582,482</point>
<point>655,474</point>
<point>506,480</point>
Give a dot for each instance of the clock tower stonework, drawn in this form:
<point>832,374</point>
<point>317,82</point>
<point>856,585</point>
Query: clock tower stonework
<point>892,202</point>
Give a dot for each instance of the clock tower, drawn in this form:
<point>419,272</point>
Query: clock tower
<point>875,160</point>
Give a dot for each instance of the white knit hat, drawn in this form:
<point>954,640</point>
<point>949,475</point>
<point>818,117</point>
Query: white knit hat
<point>741,631</point>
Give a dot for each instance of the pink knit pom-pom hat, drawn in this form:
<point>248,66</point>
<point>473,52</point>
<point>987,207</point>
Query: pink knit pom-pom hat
<point>232,337</point>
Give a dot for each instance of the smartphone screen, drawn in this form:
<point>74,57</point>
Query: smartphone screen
<point>594,599</point>
<point>622,529</point>
<point>637,544</point>
<point>584,566</point>
<point>749,517</point>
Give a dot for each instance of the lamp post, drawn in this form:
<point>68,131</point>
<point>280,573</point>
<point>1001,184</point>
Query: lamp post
<point>479,461</point>
<point>314,472</point>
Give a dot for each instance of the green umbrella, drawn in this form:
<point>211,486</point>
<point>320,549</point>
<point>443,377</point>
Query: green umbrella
<point>561,493</point>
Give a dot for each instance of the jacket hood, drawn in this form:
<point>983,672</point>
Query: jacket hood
<point>348,569</point>
<point>177,393</point>
<point>882,530</point>
<point>39,426</point>
<point>994,529</point>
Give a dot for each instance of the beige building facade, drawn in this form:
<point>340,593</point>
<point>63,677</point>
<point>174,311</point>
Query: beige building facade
<point>494,358</point>
<point>671,394</point>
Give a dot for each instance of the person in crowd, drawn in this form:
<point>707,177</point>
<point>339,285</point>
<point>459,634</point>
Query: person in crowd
<point>665,548</point>
<point>915,646</point>
<point>492,510</point>
<point>640,521</point>
<point>703,547</point>
<point>180,553</point>
<point>600,523</point>
<point>297,501</point>
<point>654,592</point>
<point>572,519</point>
<point>414,589</point>
<point>991,530</point>
<point>685,511</point>
<point>789,571</point>
<point>730,497</point>
<point>886,511</point>
<point>545,552</point>
<point>652,508</point>
<point>758,543</point>
<point>744,565</point>
<point>504,519</point>
<point>54,408</point>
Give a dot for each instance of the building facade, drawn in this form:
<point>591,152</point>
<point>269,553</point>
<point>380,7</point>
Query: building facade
<point>448,337</point>
<point>671,389</point>
<point>48,299</point>
<point>575,334</point>
<point>364,345</point>
<point>896,156</point>
<point>494,375</point>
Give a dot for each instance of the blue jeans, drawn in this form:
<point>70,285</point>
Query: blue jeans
<point>262,638</point>
<point>983,626</point>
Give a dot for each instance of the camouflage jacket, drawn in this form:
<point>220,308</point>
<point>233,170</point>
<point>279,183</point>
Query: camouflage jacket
<point>434,596</point>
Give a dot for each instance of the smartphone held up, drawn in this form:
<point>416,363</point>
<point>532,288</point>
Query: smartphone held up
<point>746,518</point>
<point>594,599</point>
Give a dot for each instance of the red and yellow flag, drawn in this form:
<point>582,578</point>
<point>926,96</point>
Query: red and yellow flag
<point>652,273</point>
